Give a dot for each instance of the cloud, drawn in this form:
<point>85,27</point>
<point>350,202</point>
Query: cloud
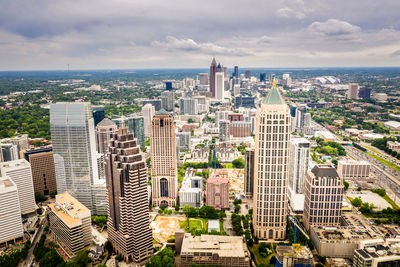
<point>396,53</point>
<point>187,44</point>
<point>333,27</point>
<point>287,12</point>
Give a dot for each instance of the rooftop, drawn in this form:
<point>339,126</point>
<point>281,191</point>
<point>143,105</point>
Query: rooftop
<point>68,209</point>
<point>321,170</point>
<point>6,183</point>
<point>273,97</point>
<point>106,122</point>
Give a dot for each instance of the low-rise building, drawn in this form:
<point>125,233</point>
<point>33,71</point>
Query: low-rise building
<point>191,192</point>
<point>327,136</point>
<point>70,223</point>
<point>353,169</point>
<point>395,146</point>
<point>377,255</point>
<point>392,125</point>
<point>214,250</point>
<point>293,256</point>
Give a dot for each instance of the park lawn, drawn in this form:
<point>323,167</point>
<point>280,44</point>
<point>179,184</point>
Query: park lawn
<point>384,161</point>
<point>183,224</point>
<point>221,228</point>
<point>229,166</point>
<point>258,259</point>
<point>194,224</point>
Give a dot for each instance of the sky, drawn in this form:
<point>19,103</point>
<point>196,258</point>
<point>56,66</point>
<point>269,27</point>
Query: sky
<point>131,34</point>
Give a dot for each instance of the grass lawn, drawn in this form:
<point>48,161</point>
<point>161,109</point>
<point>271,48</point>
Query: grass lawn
<point>391,202</point>
<point>384,161</point>
<point>194,224</point>
<point>229,166</point>
<point>221,228</point>
<point>259,260</point>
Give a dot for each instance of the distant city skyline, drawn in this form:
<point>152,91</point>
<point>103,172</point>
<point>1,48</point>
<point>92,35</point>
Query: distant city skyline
<point>181,34</point>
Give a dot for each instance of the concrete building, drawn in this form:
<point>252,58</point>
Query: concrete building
<point>377,256</point>
<point>364,93</point>
<point>21,141</point>
<point>323,192</point>
<point>214,250</point>
<point>168,100</point>
<point>202,104</point>
<point>163,160</point>
<point>191,192</point>
<point>352,92</point>
<point>298,164</point>
<point>353,169</point>
<point>70,224</point>
<point>224,130</point>
<point>392,125</point>
<point>11,227</point>
<point>244,101</point>
<point>43,171</point>
<point>217,192</point>
<point>183,141</point>
<point>148,113</point>
<point>249,173</point>
<point>74,139</point>
<point>240,129</point>
<point>9,152</point>
<point>104,130</point>
<point>294,256</point>
<point>271,167</point>
<point>188,106</point>
<point>19,171</point>
<point>156,103</point>
<point>128,216</point>
<point>203,78</point>
<point>393,145</point>
<point>219,86</point>
<point>221,115</point>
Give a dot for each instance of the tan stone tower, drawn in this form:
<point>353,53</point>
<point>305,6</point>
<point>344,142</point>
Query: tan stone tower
<point>128,206</point>
<point>271,167</point>
<point>163,160</point>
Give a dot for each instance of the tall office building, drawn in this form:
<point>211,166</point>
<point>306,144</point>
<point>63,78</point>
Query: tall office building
<point>43,170</point>
<point>168,85</point>
<point>10,213</point>
<point>19,171</point>
<point>213,71</point>
<point>247,74</point>
<point>219,86</point>
<point>155,102</point>
<point>73,137</point>
<point>98,114</point>
<point>163,160</point>
<point>135,124</point>
<point>298,164</point>
<point>323,192</point>
<point>168,100</point>
<point>148,112</point>
<point>104,131</point>
<point>203,78</point>
<point>9,152</point>
<point>128,206</point>
<point>249,173</point>
<point>263,77</point>
<point>352,92</point>
<point>188,106</point>
<point>364,93</point>
<point>271,166</point>
<point>236,71</point>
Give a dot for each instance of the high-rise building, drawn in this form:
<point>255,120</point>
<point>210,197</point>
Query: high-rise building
<point>219,86</point>
<point>135,124</point>
<point>247,74</point>
<point>155,102</point>
<point>236,71</point>
<point>70,224</point>
<point>364,93</point>
<point>323,192</point>
<point>168,85</point>
<point>74,139</point>
<point>61,179</point>
<point>188,106</point>
<point>9,152</point>
<point>240,128</point>
<point>163,160</point>
<point>271,166</point>
<point>19,171</point>
<point>249,173</point>
<point>21,141</point>
<point>148,113</point>
<point>298,164</point>
<point>43,170</point>
<point>128,217</point>
<point>104,131</point>
<point>217,192</point>
<point>203,78</point>
<point>202,104</point>
<point>183,141</point>
<point>168,100</point>
<point>213,71</point>
<point>263,77</point>
<point>245,101</point>
<point>11,227</point>
<point>98,114</point>
<point>221,115</point>
<point>352,93</point>
<point>191,191</point>
<point>224,127</point>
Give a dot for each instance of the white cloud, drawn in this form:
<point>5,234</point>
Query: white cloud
<point>333,27</point>
<point>287,12</point>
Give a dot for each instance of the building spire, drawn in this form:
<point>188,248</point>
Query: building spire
<point>273,97</point>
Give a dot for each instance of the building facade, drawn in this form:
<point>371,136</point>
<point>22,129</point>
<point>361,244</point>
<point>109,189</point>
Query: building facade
<point>148,113</point>
<point>219,85</point>
<point>128,216</point>
<point>271,167</point>
<point>213,70</point>
<point>163,160</point>
<point>188,106</point>
<point>352,92</point>
<point>43,172</point>
<point>323,192</point>
<point>353,169</point>
<point>217,192</point>
<point>249,173</point>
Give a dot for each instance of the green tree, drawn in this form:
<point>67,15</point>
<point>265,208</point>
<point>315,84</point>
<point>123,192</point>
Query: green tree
<point>39,197</point>
<point>346,185</point>
<point>165,258</point>
<point>356,202</point>
<point>51,259</point>
<point>238,163</point>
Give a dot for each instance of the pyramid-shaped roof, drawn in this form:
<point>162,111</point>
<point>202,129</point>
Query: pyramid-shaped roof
<point>273,97</point>
<point>162,112</point>
<point>106,122</point>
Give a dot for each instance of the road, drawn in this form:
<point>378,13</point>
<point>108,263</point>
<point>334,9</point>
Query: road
<point>29,258</point>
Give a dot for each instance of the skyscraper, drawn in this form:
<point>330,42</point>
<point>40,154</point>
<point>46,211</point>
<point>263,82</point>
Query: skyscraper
<point>128,217</point>
<point>219,85</point>
<point>236,71</point>
<point>247,74</point>
<point>104,131</point>
<point>98,114</point>
<point>323,197</point>
<point>188,106</point>
<point>352,93</point>
<point>213,70</point>
<point>271,166</point>
<point>43,170</point>
<point>73,137</point>
<point>167,100</point>
<point>135,124</point>
<point>163,160</point>
<point>203,78</point>
<point>148,112</point>
<point>249,173</point>
<point>298,164</point>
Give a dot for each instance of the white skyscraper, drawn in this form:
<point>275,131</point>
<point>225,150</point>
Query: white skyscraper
<point>299,158</point>
<point>148,112</point>
<point>73,137</point>
<point>219,86</point>
<point>271,167</point>
<point>10,212</point>
<point>19,171</point>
